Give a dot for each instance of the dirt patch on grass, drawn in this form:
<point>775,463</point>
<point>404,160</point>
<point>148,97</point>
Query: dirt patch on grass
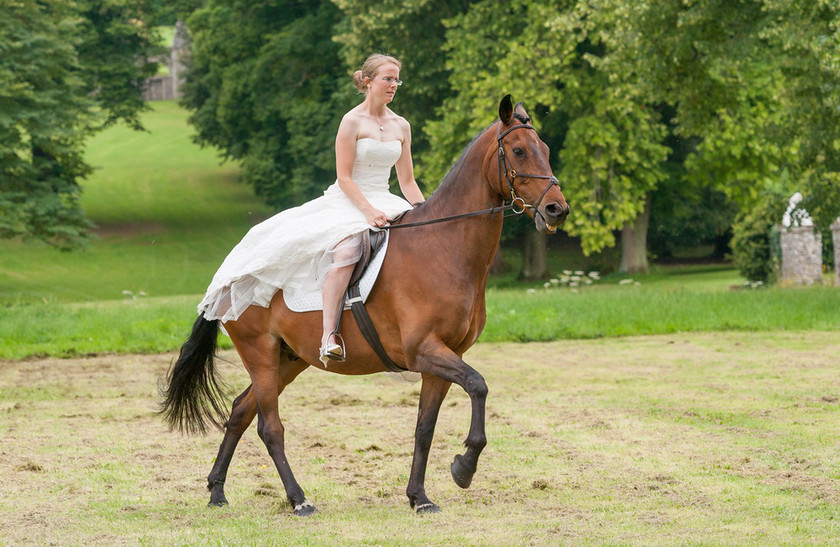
<point>660,436</point>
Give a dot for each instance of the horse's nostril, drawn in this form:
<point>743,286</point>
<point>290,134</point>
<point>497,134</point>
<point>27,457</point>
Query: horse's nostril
<point>555,210</point>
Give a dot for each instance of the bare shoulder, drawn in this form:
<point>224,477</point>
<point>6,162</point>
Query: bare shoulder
<point>403,123</point>
<point>405,129</point>
<point>350,123</point>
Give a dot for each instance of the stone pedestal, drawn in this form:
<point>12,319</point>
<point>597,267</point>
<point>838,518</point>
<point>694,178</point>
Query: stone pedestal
<point>801,255</point>
<point>835,233</point>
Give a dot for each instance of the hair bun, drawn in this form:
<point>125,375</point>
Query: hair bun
<point>359,80</point>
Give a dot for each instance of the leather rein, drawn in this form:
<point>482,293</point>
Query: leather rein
<point>506,171</point>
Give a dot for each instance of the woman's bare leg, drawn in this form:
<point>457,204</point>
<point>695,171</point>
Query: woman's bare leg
<point>344,258</point>
<point>335,285</point>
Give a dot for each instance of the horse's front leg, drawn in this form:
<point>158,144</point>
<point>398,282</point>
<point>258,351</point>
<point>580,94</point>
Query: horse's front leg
<point>442,362</point>
<point>432,393</point>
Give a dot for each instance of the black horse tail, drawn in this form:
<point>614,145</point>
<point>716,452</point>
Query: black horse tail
<point>192,392</point>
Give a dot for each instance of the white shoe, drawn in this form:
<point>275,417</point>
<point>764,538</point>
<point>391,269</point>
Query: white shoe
<point>332,352</point>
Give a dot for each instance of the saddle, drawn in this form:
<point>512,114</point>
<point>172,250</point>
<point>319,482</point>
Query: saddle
<point>373,242</point>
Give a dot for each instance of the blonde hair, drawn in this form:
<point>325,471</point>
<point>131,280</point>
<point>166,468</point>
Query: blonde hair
<point>369,69</point>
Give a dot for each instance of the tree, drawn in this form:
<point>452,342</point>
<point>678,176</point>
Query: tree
<point>560,56</point>
<point>116,43</point>
<point>266,86</point>
<point>414,32</point>
<point>809,32</point>
<point>45,114</point>
<point>758,85</point>
<point>67,69</point>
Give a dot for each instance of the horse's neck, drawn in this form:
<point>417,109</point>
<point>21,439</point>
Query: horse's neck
<point>470,243</point>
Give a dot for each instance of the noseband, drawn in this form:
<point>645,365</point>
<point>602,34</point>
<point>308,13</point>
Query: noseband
<point>510,174</point>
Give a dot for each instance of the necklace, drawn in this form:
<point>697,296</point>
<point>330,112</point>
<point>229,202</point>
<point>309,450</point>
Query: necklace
<point>381,124</point>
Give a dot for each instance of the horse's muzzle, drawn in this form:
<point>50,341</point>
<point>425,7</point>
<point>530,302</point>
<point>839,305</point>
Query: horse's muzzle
<point>553,214</point>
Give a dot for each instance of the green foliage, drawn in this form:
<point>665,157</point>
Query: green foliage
<point>114,52</point>
<point>702,97</point>
<point>808,32</point>
<point>414,32</point>
<point>561,58</point>
<point>689,216</point>
<point>163,225</point>
<point>267,88</point>
<point>167,12</point>
<point>752,241</point>
<point>756,81</point>
<point>66,69</point>
<point>44,117</point>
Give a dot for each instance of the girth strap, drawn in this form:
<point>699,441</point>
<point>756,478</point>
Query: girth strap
<point>368,330</point>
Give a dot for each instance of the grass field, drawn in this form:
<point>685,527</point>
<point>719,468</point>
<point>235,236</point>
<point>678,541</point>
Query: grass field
<point>151,325</point>
<point>168,212</point>
<point>719,426</point>
<point>686,439</point>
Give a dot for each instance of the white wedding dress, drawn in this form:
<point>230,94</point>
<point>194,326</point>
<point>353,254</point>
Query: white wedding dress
<point>293,249</point>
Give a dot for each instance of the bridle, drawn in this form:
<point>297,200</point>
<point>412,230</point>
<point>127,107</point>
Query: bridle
<point>510,174</point>
<point>517,205</point>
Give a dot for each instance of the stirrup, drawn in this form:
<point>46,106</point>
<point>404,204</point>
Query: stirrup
<point>333,352</point>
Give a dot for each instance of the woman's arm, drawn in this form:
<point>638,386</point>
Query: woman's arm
<point>405,167</point>
<point>345,154</point>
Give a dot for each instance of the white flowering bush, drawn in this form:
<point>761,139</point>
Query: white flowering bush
<point>574,280</point>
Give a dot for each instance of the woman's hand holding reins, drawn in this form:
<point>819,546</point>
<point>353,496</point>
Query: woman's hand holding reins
<point>375,217</point>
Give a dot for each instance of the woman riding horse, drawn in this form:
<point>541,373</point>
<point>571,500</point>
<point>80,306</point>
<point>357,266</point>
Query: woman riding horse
<point>428,305</point>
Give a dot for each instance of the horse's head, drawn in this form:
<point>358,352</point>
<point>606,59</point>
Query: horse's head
<point>524,173</point>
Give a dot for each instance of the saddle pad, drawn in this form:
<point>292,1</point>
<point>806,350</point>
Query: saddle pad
<point>301,301</point>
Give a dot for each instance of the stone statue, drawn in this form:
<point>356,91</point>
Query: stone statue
<point>795,215</point>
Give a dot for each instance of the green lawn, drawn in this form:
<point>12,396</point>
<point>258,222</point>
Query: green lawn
<point>168,212</point>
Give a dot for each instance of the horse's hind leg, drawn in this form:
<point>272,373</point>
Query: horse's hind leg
<point>268,378</point>
<point>242,414</point>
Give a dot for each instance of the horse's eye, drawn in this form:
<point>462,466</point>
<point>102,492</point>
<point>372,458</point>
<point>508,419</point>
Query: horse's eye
<point>518,152</point>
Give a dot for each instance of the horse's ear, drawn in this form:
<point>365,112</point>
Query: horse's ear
<point>505,110</point>
<point>521,115</point>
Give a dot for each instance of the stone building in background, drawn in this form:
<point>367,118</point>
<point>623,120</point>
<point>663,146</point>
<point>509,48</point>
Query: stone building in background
<point>165,88</point>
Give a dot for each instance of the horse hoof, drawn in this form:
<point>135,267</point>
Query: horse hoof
<point>461,474</point>
<point>217,503</point>
<point>305,509</point>
<point>427,509</point>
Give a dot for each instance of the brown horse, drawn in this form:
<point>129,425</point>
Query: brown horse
<point>428,306</point>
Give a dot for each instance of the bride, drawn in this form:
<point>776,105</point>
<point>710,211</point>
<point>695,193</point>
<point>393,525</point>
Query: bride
<point>317,244</point>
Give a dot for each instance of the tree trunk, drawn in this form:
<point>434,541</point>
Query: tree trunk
<point>534,257</point>
<point>500,265</point>
<point>634,243</point>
